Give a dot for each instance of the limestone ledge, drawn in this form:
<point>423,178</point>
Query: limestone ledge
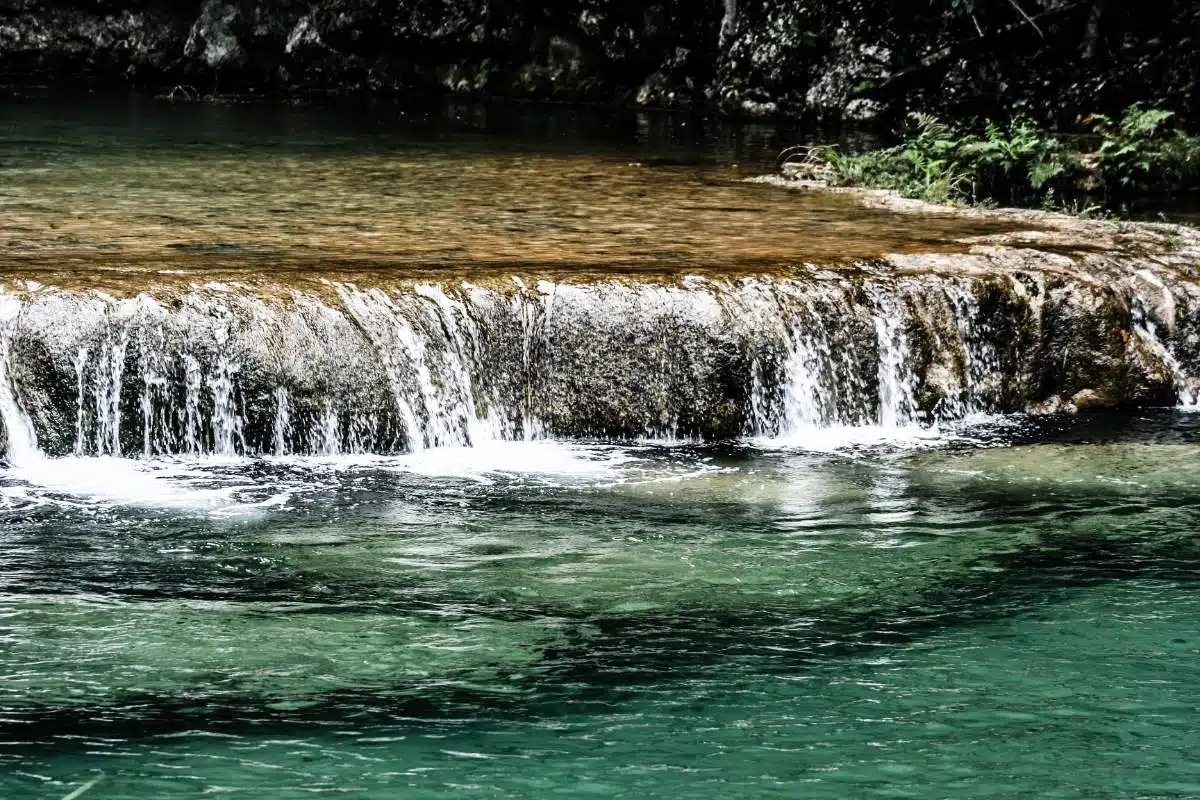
<point>1053,315</point>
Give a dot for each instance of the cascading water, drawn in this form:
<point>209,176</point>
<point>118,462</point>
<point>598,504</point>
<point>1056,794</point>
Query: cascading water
<point>281,432</point>
<point>823,382</point>
<point>349,370</point>
<point>226,419</point>
<point>191,405</point>
<point>108,372</point>
<point>426,350</point>
<point>457,383</point>
<point>981,377</point>
<point>897,404</point>
<point>1144,311</point>
<point>81,361</point>
<point>849,360</point>
<point>21,441</point>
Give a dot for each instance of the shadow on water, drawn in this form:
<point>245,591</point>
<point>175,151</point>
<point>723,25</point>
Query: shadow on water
<point>1075,545</point>
<point>657,138</point>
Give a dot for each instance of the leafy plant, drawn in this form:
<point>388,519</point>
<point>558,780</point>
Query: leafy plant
<point>1020,163</point>
<point>1131,148</point>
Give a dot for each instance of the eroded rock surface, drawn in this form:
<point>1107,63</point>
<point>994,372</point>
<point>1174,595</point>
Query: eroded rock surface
<point>395,364</point>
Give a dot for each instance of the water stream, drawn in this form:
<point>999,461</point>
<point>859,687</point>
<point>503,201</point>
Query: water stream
<point>425,463</point>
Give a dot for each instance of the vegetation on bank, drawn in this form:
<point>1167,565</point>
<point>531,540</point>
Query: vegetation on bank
<point>1112,165</point>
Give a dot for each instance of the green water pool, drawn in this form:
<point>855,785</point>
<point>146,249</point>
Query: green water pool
<point>1007,613</point>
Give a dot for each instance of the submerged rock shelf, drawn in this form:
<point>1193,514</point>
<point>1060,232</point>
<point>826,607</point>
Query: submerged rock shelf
<point>329,366</point>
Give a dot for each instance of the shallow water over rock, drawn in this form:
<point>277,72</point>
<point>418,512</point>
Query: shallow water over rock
<point>320,293</point>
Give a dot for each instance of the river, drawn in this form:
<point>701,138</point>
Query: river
<point>355,453</point>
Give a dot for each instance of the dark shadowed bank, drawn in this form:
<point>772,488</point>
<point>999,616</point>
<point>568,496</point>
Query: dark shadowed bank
<point>1054,59</point>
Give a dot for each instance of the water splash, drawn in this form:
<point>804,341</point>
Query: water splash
<point>897,400</point>
<point>1147,330</point>
<point>22,448</point>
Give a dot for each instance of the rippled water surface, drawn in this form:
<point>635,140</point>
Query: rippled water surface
<point>1003,610</point>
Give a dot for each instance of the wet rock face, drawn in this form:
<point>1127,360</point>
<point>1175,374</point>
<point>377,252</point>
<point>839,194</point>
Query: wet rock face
<point>224,369</point>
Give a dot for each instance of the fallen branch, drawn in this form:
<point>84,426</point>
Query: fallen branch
<point>1028,18</point>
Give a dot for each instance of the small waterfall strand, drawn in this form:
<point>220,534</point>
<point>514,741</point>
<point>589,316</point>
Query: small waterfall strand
<point>981,379</point>
<point>108,377</point>
<point>22,445</point>
<point>281,432</point>
<point>897,397</point>
<point>1147,331</point>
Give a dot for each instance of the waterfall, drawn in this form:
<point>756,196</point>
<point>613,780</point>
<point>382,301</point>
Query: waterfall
<point>191,405</point>
<point>226,421</point>
<point>337,368</point>
<point>982,381</point>
<point>109,372</point>
<point>897,403</point>
<point>281,431</point>
<point>80,362</point>
<point>459,359</point>
<point>1186,386</point>
<point>428,368</point>
<point>22,442</point>
<point>826,381</point>
<point>804,393</point>
<point>327,434</point>
<point>1147,330</point>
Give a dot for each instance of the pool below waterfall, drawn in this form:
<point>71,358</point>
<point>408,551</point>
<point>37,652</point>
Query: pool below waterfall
<point>421,456</point>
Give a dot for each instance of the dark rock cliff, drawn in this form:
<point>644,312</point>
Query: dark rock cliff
<point>1053,58</point>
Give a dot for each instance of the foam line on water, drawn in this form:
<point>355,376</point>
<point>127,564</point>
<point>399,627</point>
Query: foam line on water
<point>542,461</point>
<point>836,438</point>
<point>977,429</point>
<point>514,458</point>
<point>107,480</point>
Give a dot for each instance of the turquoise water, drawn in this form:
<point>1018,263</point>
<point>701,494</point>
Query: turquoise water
<point>1010,611</point>
<point>1002,610</point>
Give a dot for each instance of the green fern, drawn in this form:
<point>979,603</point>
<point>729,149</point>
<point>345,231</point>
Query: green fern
<point>1019,162</point>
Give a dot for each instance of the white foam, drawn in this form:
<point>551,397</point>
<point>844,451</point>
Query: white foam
<point>107,481</point>
<point>534,458</point>
<point>977,429</point>
<point>837,438</point>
